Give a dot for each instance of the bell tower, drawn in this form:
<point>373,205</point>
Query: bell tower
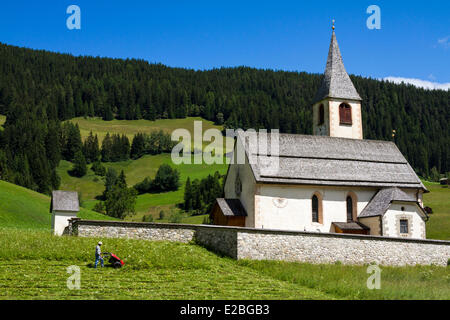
<point>337,105</point>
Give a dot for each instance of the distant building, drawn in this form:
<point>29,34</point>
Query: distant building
<point>64,206</point>
<point>332,181</point>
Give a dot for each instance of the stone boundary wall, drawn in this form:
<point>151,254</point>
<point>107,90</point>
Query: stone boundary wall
<point>265,244</point>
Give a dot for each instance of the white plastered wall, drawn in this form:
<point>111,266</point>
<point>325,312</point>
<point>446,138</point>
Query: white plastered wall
<point>248,182</point>
<point>353,131</point>
<point>60,220</point>
<point>324,129</point>
<point>410,212</point>
<point>289,207</point>
<point>373,223</point>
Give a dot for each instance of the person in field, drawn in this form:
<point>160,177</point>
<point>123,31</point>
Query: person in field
<point>98,254</point>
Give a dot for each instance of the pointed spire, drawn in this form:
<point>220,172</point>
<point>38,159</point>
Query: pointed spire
<point>336,83</point>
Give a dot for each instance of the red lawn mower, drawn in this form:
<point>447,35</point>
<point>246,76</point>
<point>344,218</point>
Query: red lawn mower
<point>115,261</point>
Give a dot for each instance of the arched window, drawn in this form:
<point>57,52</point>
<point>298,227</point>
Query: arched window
<point>321,115</point>
<point>316,208</point>
<point>349,209</point>
<point>345,114</point>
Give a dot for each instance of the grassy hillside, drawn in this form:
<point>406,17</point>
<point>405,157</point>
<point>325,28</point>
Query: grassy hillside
<point>167,270</point>
<point>23,208</point>
<point>91,185</point>
<point>438,227</point>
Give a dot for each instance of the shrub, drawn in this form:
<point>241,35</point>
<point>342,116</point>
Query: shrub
<point>99,207</point>
<point>434,175</point>
<point>147,218</point>
<point>79,165</point>
<point>175,218</point>
<point>161,215</point>
<point>144,186</point>
<point>80,199</point>
<point>120,201</point>
<point>206,220</point>
<point>166,179</point>
<point>98,168</point>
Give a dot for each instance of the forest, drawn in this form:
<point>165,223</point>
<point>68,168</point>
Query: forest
<point>40,89</point>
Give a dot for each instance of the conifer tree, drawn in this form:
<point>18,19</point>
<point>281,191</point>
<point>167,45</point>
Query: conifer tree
<point>79,165</point>
<point>188,195</point>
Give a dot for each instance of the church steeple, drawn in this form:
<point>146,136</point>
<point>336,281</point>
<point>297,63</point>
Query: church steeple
<point>336,83</point>
<point>337,108</point>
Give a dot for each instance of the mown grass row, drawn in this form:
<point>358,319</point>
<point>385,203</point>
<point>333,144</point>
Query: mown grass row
<point>34,266</point>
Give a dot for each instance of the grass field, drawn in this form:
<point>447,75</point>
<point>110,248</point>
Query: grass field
<point>34,266</point>
<point>23,208</point>
<point>438,227</point>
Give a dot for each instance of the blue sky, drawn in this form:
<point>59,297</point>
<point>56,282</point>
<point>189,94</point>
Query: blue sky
<point>413,42</point>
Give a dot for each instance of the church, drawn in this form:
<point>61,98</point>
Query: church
<point>332,181</point>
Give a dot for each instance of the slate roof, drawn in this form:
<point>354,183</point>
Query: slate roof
<point>64,201</point>
<point>323,160</point>
<point>231,207</point>
<point>382,200</point>
<point>335,82</point>
<point>354,225</point>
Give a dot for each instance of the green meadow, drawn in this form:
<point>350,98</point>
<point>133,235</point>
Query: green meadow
<point>90,186</point>
<point>438,226</point>
<point>25,209</point>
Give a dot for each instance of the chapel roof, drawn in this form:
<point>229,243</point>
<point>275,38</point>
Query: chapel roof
<point>64,201</point>
<point>383,199</point>
<point>323,160</point>
<point>335,82</point>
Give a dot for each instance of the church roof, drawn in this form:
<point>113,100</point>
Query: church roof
<point>64,201</point>
<point>382,200</point>
<point>336,83</point>
<point>322,160</point>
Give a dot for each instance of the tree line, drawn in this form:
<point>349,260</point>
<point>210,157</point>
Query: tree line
<point>114,147</point>
<point>118,200</point>
<point>39,89</point>
<point>200,195</point>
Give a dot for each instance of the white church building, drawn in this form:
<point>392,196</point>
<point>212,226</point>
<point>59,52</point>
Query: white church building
<point>331,181</point>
